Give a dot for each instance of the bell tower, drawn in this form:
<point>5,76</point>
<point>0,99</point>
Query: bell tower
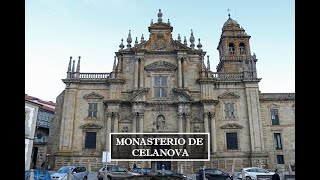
<point>234,49</point>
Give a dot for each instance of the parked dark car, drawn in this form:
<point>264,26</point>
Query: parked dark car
<point>38,174</point>
<point>169,174</point>
<point>213,174</point>
<point>141,171</point>
<point>115,172</point>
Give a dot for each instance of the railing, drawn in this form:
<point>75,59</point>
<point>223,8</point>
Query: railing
<point>227,76</point>
<point>94,75</point>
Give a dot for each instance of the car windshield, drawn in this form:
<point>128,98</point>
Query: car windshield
<point>63,170</point>
<point>262,171</point>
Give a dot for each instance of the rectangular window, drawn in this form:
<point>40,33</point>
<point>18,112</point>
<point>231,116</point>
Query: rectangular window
<point>90,142</point>
<point>93,108</point>
<point>277,140</point>
<point>160,86</point>
<point>232,141</point>
<point>280,159</point>
<point>274,117</point>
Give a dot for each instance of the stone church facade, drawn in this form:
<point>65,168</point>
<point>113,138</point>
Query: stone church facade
<point>163,85</point>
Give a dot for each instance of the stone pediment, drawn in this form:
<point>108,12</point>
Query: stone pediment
<point>125,120</point>
<point>93,95</point>
<point>156,46</point>
<point>231,126</point>
<point>160,66</point>
<point>229,95</point>
<point>179,46</point>
<point>91,126</point>
<point>183,95</point>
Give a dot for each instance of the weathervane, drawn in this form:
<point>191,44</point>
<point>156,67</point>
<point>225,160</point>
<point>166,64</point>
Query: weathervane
<point>228,12</point>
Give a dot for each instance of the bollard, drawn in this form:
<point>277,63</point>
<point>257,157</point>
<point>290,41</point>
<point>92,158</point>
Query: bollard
<point>204,173</point>
<point>105,177</point>
<point>31,177</point>
<point>290,170</point>
<point>243,175</point>
<point>89,168</point>
<point>69,175</point>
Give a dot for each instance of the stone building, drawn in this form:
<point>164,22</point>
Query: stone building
<point>45,112</point>
<point>165,78</point>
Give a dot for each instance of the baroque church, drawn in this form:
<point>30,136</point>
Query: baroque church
<point>166,85</point>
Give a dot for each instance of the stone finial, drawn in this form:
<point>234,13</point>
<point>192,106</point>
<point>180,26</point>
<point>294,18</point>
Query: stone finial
<point>69,67</point>
<point>185,42</point>
<point>121,46</point>
<point>199,44</point>
<point>136,42</point>
<point>168,22</point>
<point>142,39</point>
<point>208,63</point>
<point>203,66</point>
<point>192,40</point>
<point>73,65</point>
<point>151,22</point>
<point>179,38</point>
<point>78,65</point>
<point>159,16</point>
<point>114,63</point>
<point>129,40</point>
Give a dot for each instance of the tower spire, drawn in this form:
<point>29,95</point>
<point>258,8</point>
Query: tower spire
<point>192,40</point>
<point>78,65</point>
<point>114,63</point>
<point>208,63</point>
<point>129,40</point>
<point>228,12</point>
<point>69,67</point>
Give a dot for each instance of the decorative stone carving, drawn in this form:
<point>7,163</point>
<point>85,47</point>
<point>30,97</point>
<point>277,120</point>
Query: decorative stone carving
<point>159,44</point>
<point>231,126</point>
<point>229,95</point>
<point>91,126</point>
<point>93,95</point>
<point>160,66</point>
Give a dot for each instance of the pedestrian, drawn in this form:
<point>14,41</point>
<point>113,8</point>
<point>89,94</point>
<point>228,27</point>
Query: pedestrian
<point>162,167</point>
<point>134,165</point>
<point>276,175</point>
<point>129,168</point>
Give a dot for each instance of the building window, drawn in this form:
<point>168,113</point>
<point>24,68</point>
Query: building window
<point>280,159</point>
<point>242,48</point>
<point>229,109</point>
<point>93,108</point>
<point>231,48</point>
<point>90,142</point>
<point>232,141</point>
<point>277,140</point>
<point>160,86</point>
<point>275,117</point>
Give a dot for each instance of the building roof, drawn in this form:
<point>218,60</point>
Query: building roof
<point>47,105</point>
<point>230,21</point>
<point>277,96</point>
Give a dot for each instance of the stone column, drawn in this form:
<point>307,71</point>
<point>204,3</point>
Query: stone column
<point>179,73</point>
<point>213,133</point>
<point>136,69</point>
<point>141,118</point>
<point>184,68</point>
<point>206,127</point>
<point>180,128</point>
<point>188,129</point>
<point>108,131</point>
<point>116,122</point>
<point>134,122</point>
<point>141,74</point>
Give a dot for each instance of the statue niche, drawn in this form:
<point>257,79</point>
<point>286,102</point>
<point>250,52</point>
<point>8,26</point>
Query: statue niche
<point>161,122</point>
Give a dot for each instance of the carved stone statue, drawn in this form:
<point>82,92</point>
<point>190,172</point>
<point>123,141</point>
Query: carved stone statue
<point>160,122</point>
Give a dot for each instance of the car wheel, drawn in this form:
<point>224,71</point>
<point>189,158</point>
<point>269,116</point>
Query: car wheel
<point>228,178</point>
<point>248,178</point>
<point>85,178</point>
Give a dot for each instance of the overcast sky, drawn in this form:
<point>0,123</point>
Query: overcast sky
<point>92,29</point>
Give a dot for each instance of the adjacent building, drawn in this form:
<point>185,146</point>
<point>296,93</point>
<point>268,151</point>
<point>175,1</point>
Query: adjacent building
<point>170,80</point>
<point>45,113</point>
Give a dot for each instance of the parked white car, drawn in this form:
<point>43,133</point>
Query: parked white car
<point>78,172</point>
<point>252,172</point>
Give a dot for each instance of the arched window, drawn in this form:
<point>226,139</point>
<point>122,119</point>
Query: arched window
<point>231,48</point>
<point>242,48</point>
